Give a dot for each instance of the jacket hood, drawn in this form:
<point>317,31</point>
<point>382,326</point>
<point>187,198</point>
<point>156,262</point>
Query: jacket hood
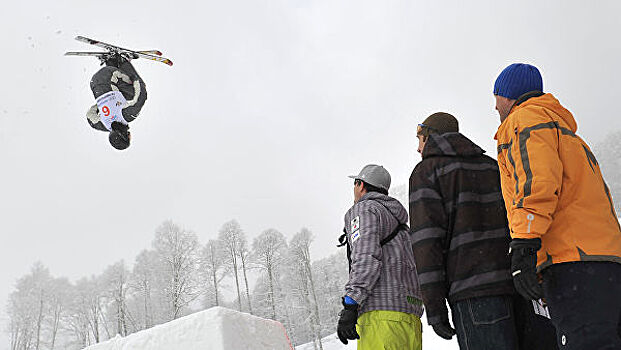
<point>548,101</point>
<point>452,144</point>
<point>394,206</point>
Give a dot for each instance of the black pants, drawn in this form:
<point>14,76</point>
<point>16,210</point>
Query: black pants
<point>585,304</point>
<point>485,323</point>
<point>535,332</point>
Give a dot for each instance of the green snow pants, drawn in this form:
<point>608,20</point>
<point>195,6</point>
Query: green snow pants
<point>389,330</point>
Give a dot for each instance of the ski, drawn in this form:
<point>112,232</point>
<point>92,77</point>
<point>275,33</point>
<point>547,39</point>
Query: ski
<point>79,53</point>
<point>154,55</point>
<point>151,52</point>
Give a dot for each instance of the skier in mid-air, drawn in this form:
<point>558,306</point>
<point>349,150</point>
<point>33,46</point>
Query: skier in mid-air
<point>120,94</point>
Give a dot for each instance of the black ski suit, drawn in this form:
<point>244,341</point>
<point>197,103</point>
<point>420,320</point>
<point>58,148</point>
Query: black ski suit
<point>123,78</point>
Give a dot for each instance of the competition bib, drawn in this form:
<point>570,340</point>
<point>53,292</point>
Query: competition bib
<point>110,107</point>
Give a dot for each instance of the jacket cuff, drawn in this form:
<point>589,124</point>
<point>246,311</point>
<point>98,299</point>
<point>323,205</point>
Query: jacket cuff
<point>356,295</point>
<point>525,235</point>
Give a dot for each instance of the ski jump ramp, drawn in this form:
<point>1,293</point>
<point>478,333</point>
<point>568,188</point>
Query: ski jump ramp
<point>217,328</point>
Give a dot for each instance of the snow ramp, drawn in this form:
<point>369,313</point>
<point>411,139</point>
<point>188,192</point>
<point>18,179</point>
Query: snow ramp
<point>217,328</point>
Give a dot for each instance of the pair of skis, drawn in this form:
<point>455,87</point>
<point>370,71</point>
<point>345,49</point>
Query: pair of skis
<point>154,55</point>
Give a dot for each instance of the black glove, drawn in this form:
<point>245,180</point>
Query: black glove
<point>346,328</point>
<point>444,329</point>
<point>524,267</point>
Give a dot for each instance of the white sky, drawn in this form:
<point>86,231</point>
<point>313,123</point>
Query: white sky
<point>270,104</point>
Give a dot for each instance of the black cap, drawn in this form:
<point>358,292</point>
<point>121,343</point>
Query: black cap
<point>119,136</point>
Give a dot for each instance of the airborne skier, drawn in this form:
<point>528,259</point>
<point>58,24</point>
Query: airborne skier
<point>118,89</point>
<point>120,94</point>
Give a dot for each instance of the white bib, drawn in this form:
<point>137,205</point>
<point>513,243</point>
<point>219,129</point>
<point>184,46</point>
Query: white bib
<point>110,107</point>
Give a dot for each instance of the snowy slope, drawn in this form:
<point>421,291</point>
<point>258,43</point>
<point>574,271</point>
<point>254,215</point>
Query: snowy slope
<point>430,342</point>
<point>214,329</point>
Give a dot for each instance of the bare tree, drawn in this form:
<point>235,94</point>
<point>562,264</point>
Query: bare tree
<point>212,264</point>
<point>300,251</point>
<point>143,281</point>
<point>608,152</point>
<point>244,253</point>
<point>115,282</point>
<point>178,249</point>
<point>58,292</point>
<point>268,252</point>
<point>229,237</point>
<point>85,315</point>
<point>28,308</point>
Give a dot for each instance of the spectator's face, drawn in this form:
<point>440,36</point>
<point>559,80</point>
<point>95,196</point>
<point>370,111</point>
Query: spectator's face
<point>358,190</point>
<point>503,106</point>
<point>421,140</point>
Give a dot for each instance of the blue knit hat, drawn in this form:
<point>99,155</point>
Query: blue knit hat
<point>518,79</point>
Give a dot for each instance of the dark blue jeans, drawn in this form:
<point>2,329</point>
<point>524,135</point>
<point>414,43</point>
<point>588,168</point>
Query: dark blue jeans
<point>585,304</point>
<point>485,323</point>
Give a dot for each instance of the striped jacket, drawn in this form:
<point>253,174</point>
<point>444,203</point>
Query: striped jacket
<point>124,79</point>
<point>381,277</point>
<point>458,223</point>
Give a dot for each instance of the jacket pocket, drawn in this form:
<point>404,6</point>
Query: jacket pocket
<point>489,310</point>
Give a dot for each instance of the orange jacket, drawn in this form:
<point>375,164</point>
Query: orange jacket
<point>552,185</point>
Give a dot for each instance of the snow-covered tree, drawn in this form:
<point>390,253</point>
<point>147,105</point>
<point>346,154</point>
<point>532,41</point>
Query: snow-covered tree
<point>244,254</point>
<point>268,251</point>
<point>299,248</point>
<point>85,313</point>
<point>608,152</point>
<point>115,284</point>
<point>229,237</point>
<point>27,308</point>
<point>58,299</point>
<point>211,270</point>
<point>331,273</point>
<point>143,281</point>
<point>178,250</point>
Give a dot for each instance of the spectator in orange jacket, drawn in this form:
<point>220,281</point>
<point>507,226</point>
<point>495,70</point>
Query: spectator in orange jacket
<point>562,220</point>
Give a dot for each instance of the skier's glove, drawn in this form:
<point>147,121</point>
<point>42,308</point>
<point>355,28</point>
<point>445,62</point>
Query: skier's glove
<point>346,328</point>
<point>524,267</point>
<point>444,329</point>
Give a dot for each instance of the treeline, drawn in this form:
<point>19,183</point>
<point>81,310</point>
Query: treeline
<point>271,277</point>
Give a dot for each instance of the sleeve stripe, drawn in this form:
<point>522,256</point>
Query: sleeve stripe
<point>424,193</point>
<point>470,237</point>
<point>427,233</point>
<point>524,136</point>
<point>431,277</point>
<point>477,280</point>
<point>461,165</point>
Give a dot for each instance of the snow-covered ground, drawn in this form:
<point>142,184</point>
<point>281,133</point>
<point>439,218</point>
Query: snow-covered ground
<point>430,342</point>
<point>215,329</point>
<point>224,329</point>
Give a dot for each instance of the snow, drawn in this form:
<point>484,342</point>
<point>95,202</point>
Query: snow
<point>217,328</point>
<point>430,342</point>
<point>330,342</point>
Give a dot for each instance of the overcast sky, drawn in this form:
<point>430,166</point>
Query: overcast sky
<point>269,106</point>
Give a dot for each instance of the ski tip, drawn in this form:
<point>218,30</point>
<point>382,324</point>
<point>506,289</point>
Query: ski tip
<point>168,62</point>
<point>159,53</point>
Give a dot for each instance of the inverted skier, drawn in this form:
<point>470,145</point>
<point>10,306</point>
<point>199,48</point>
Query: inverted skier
<point>120,94</point>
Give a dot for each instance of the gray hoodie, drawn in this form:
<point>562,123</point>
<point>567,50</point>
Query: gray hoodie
<point>381,277</point>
